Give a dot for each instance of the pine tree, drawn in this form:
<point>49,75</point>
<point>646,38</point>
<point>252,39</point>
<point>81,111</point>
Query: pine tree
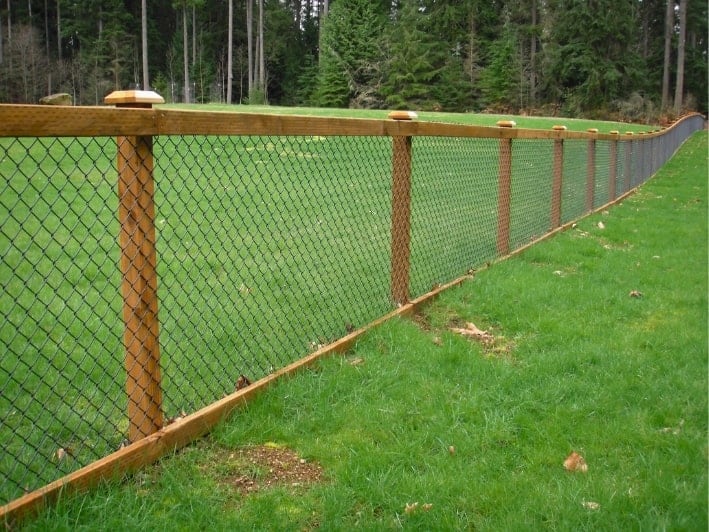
<point>500,80</point>
<point>350,55</point>
<point>414,62</point>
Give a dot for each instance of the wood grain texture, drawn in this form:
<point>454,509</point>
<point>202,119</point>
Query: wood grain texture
<point>136,214</point>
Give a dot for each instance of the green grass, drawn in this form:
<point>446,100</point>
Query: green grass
<point>578,364</point>
<point>531,122</point>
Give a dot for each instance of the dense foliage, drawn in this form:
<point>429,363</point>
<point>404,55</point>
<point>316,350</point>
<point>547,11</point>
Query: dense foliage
<point>580,57</point>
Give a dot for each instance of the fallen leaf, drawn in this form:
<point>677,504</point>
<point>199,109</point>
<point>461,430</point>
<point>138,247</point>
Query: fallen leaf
<point>673,430</point>
<point>426,507</point>
<point>451,450</point>
<point>575,462</point>
<point>601,225</point>
<point>558,272</point>
<point>437,340</point>
<point>244,290</point>
<point>356,361</point>
<point>410,507</point>
<point>472,331</point>
<point>242,382</point>
<point>63,453</point>
<point>590,505</point>
<point>635,293</point>
<point>177,418</point>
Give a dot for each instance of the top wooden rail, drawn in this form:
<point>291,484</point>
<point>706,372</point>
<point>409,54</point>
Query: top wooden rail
<point>51,121</point>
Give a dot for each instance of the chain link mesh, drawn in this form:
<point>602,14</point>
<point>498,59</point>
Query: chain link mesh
<point>268,247</point>
<point>61,377</point>
<point>265,248</point>
<point>454,208</point>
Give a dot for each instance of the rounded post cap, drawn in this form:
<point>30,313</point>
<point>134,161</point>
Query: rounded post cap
<point>629,133</point>
<point>615,132</point>
<point>133,96</point>
<point>592,130</point>
<point>506,123</point>
<point>559,128</point>
<point>402,115</point>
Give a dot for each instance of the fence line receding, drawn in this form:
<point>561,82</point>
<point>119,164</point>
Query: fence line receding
<point>152,259</point>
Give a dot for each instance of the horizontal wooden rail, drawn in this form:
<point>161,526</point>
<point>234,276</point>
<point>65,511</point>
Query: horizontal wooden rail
<point>58,121</point>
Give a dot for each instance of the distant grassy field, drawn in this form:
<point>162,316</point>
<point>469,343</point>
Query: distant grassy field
<point>599,346</point>
<point>532,122</point>
<point>267,248</point>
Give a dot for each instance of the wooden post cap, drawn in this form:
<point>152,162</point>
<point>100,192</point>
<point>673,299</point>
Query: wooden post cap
<point>133,97</point>
<point>615,132</point>
<point>592,130</point>
<point>402,115</point>
<point>506,123</point>
<point>629,133</point>
<point>559,128</point>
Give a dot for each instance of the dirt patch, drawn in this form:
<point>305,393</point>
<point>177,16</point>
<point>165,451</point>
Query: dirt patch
<point>259,467</point>
<point>493,343</point>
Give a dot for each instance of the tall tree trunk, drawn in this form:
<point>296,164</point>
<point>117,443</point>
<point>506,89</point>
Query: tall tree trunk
<point>185,54</point>
<point>46,29</point>
<point>144,34</point>
<point>59,32</point>
<point>1,58</point>
<point>669,26</point>
<point>9,27</point>
<point>46,46</point>
<point>262,61</point>
<point>533,58</point>
<point>322,15</point>
<point>679,86</point>
<point>250,41</point>
<point>230,63</point>
<point>194,35</point>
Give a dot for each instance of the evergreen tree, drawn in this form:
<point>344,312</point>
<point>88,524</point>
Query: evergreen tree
<point>593,54</point>
<point>500,81</point>
<point>351,55</point>
<point>411,69</point>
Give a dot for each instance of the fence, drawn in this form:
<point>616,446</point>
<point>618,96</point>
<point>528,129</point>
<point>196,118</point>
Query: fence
<point>155,262</point>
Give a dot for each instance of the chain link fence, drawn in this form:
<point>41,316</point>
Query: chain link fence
<point>253,249</point>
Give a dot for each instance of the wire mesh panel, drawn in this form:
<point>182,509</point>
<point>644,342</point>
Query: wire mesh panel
<point>601,189</point>
<point>268,247</point>
<point>62,402</point>
<point>573,203</point>
<point>532,162</point>
<point>454,208</point>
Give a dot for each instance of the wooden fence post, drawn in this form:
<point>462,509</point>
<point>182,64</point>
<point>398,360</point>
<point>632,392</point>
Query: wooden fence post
<point>504,192</point>
<point>613,170</point>
<point>400,212</point>
<point>136,214</point>
<point>557,179</point>
<point>591,170</point>
<point>628,177</point>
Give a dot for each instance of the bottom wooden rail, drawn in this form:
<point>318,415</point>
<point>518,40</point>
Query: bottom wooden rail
<point>186,430</point>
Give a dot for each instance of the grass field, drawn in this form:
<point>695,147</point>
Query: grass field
<point>531,122</point>
<point>267,248</point>
<point>600,347</point>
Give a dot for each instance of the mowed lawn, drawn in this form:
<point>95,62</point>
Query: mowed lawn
<point>596,344</point>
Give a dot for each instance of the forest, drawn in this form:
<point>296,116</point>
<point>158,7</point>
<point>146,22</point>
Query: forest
<point>625,59</point>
